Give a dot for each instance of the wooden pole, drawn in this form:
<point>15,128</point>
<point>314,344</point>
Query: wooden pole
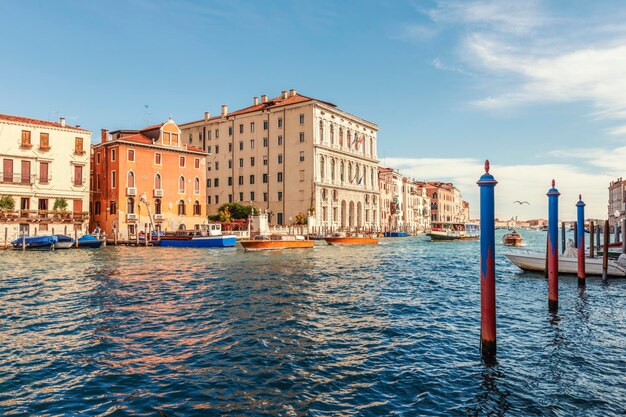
<point>6,237</point>
<point>65,230</point>
<point>605,250</point>
<point>575,236</point>
<point>598,235</point>
<point>76,238</point>
<point>592,228</point>
<point>23,240</point>
<point>563,237</point>
<point>624,235</point>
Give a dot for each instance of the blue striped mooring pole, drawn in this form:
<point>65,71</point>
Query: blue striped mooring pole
<point>553,248</point>
<point>487,184</point>
<point>581,240</point>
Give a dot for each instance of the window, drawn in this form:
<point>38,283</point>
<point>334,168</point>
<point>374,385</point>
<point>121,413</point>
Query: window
<point>217,165</point>
<point>265,125</point>
<point>98,158</point>
<point>251,195</point>
<point>252,144</point>
<point>43,204</point>
<point>301,156</point>
<point>130,179</point>
<point>230,198</point>
<point>216,183</point>
<point>301,137</point>
<point>44,142</point>
<point>199,137</point>
<point>265,160</point>
<point>208,199</point>
<point>265,197</point>
<point>280,158</point>
<point>78,174</point>
<point>240,196</point>
<point>131,155</point>
<point>280,177</point>
<point>265,178</point>
<point>230,147</point>
<point>190,138</point>
<point>113,179</point>
<point>302,119</point>
<point>322,167</point>
<point>208,149</point>
<point>217,199</point>
<point>341,136</point>
<point>208,182</point>
<point>341,171</point>
<point>332,134</point>
<point>230,181</point>
<point>280,196</point>
<point>157,206</point>
<point>321,131</point>
<point>96,207</point>
<point>280,122</point>
<point>157,181</point>
<point>181,162</point>
<point>240,162</point>
<point>279,218</point>
<point>113,155</point>
<point>251,179</point>
<point>217,133</point>
<point>78,146</point>
<point>252,127</point>
<point>181,208</point>
<point>43,173</point>
<point>25,139</point>
<point>130,205</point>
<point>113,207</point>
<point>196,208</point>
<point>301,175</point>
<point>265,142</point>
<point>301,194</point>
<point>241,145</point>
<point>241,180</point>
<point>157,158</point>
<point>167,138</point>
<point>196,163</point>
<point>230,163</point>
<point>280,140</point>
<point>241,128</point>
<point>196,185</point>
<point>332,169</point>
<point>181,185</point>
<point>252,161</point>
<point>230,130</point>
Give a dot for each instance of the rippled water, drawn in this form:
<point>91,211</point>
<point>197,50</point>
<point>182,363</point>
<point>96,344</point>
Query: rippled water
<point>386,330</point>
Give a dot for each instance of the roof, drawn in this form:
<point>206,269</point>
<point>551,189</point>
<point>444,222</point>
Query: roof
<point>144,140</point>
<point>270,104</point>
<point>28,120</point>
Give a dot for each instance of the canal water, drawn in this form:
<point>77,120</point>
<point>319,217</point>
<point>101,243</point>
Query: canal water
<point>334,331</point>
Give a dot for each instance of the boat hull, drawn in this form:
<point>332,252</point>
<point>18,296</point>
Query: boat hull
<point>447,238</point>
<point>258,245</point>
<point>567,265</point>
<point>351,240</point>
<point>512,242</point>
<point>91,244</point>
<point>396,234</point>
<point>63,245</point>
<point>35,243</point>
<point>200,242</point>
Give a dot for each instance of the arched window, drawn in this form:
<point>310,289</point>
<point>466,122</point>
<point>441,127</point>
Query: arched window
<point>348,138</point>
<point>434,196</point>
<point>364,176</point>
<point>157,181</point>
<point>371,147</point>
<point>321,131</point>
<point>196,185</point>
<point>181,185</point>
<point>332,169</point>
<point>196,208</point>
<point>350,172</point>
<point>181,208</point>
<point>357,175</point>
<point>157,206</point>
<point>332,134</point>
<point>130,179</point>
<point>372,176</point>
<point>322,167</point>
<point>130,205</point>
<point>341,136</point>
<point>342,171</point>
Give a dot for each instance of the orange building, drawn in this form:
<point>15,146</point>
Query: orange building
<point>146,179</point>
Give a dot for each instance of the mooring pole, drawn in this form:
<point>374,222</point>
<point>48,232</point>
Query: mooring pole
<point>575,236</point>
<point>580,240</point>
<point>598,235</point>
<point>487,184</point>
<point>563,237</point>
<point>605,249</point>
<point>553,248</point>
<point>624,235</point>
<point>592,230</point>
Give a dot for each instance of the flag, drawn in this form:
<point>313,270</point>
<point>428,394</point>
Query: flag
<point>360,180</point>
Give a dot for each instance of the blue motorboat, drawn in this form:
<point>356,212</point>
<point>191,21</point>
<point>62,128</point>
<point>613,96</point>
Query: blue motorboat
<point>208,236</point>
<point>89,242</point>
<point>396,234</point>
<point>35,242</point>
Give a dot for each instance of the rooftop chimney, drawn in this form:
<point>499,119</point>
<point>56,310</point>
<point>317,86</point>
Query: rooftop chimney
<point>224,110</point>
<point>256,101</point>
<point>104,135</point>
<point>284,94</point>
<point>207,116</point>
<point>62,121</point>
<point>292,92</point>
<point>264,98</point>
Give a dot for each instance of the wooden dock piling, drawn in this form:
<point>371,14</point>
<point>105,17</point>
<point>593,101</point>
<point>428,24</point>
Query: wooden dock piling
<point>605,250</point>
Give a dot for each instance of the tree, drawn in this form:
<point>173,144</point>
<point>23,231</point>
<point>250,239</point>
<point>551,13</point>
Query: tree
<point>237,210</point>
<point>301,218</point>
<point>60,204</point>
<point>7,202</point>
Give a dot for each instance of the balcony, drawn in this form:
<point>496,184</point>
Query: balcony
<point>43,216</point>
<point>44,148</point>
<point>131,191</point>
<point>131,217</point>
<point>25,145</point>
<point>158,192</point>
<point>79,151</point>
<point>159,217</point>
<point>19,179</point>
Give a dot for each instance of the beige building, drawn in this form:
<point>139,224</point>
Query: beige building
<point>43,163</point>
<point>405,205</point>
<point>292,156</point>
<point>617,199</point>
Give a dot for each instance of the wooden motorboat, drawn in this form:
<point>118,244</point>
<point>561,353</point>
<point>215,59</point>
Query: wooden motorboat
<point>567,264</point>
<point>341,239</point>
<point>454,231</point>
<point>276,242</point>
<point>512,239</point>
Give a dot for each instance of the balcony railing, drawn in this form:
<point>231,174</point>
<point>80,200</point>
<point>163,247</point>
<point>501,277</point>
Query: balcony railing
<point>77,182</point>
<point>46,216</point>
<point>12,178</point>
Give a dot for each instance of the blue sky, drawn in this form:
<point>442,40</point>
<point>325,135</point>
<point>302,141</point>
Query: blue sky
<point>535,86</point>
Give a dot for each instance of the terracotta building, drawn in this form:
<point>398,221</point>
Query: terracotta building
<point>44,164</point>
<point>147,179</point>
<point>293,156</point>
<point>447,204</point>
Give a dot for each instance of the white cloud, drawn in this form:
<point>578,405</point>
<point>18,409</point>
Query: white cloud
<point>439,64</point>
<point>413,32</point>
<point>515,182</point>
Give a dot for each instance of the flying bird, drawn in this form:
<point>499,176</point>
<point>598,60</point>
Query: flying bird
<point>521,202</point>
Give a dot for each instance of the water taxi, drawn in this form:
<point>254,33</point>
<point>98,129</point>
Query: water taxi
<point>512,239</point>
<point>342,239</point>
<point>454,231</point>
<point>205,236</point>
<point>276,242</point>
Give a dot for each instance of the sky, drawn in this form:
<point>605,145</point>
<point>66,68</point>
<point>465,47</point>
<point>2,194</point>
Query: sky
<point>537,87</point>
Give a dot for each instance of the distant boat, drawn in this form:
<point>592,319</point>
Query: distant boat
<point>63,242</point>
<point>89,242</point>
<point>35,242</point>
<point>454,231</point>
<point>276,242</point>
<point>342,239</point>
<point>512,239</point>
<point>208,236</point>
<point>396,234</point>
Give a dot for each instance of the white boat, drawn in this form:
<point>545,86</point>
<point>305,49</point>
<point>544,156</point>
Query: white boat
<point>568,263</point>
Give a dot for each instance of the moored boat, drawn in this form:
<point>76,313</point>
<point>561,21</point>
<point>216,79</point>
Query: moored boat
<point>207,236</point>
<point>63,242</point>
<point>35,242</point>
<point>342,239</point>
<point>454,231</point>
<point>512,239</point>
<point>89,242</point>
<point>396,234</point>
<point>567,264</point>
<point>275,242</point>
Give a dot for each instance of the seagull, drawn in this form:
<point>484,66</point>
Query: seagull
<point>521,202</point>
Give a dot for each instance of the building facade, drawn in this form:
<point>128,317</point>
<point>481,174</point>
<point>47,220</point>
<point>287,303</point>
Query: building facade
<point>44,176</point>
<point>617,199</point>
<point>405,206</point>
<point>447,204</point>
<point>293,156</point>
<point>147,180</point>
